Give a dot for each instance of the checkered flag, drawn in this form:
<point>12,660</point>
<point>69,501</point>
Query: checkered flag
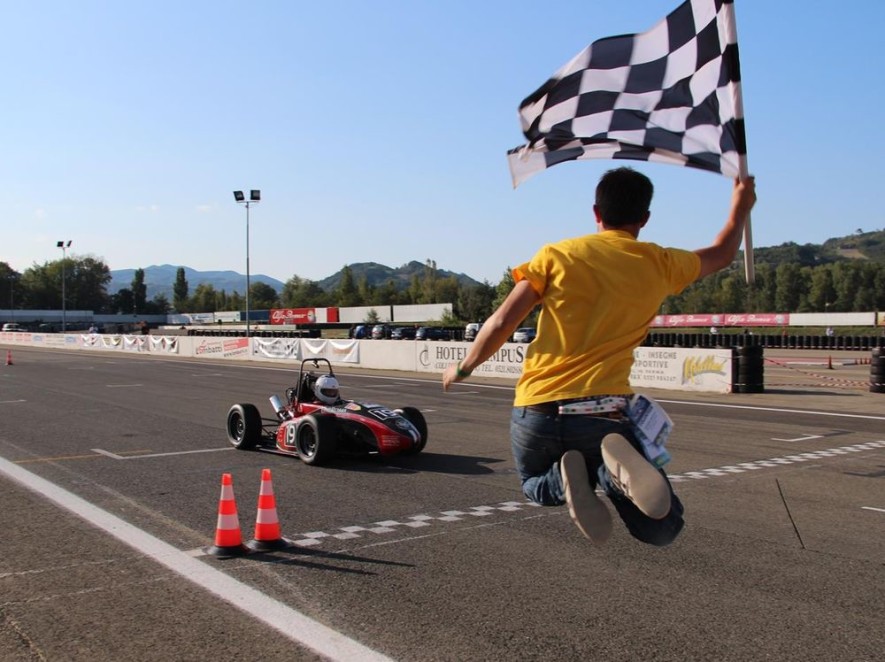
<point>669,95</point>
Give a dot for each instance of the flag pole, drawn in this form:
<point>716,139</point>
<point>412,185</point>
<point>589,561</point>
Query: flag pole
<point>743,168</point>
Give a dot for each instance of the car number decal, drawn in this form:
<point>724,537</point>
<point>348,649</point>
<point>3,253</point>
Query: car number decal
<point>290,435</point>
<point>383,413</point>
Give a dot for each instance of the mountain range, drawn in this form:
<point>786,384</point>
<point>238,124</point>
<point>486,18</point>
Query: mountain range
<point>160,279</point>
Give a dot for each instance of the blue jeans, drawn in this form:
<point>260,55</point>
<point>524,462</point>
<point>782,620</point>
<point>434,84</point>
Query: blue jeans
<point>539,440</point>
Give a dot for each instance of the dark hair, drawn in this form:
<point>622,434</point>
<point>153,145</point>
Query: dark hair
<point>623,197</point>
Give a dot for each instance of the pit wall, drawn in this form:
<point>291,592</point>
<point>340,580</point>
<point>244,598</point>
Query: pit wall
<point>674,368</point>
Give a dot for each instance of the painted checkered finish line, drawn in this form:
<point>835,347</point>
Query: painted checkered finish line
<point>414,522</point>
<point>743,467</point>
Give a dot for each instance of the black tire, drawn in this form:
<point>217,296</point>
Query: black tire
<point>748,388</point>
<point>244,426</point>
<point>416,418</point>
<point>316,440</point>
<point>877,388</point>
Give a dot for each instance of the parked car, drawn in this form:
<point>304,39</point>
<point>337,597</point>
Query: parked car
<point>380,332</point>
<point>432,333</point>
<point>12,326</point>
<point>471,330</point>
<point>524,334</point>
<point>403,333</point>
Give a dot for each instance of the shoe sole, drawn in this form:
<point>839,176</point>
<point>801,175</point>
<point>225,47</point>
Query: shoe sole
<point>638,479</point>
<point>588,512</point>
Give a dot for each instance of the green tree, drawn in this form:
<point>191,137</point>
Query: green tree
<point>790,287</point>
<point>505,285</point>
<point>180,291</point>
<point>203,299</point>
<point>364,291</point>
<point>262,296</point>
<point>139,291</point>
<point>122,303</point>
<point>347,295</point>
<point>822,293</point>
<point>475,302</point>
<point>302,293</point>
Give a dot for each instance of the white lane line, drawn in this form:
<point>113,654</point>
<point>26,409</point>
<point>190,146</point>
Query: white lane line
<point>11,402</point>
<point>289,622</point>
<point>121,385</point>
<point>878,510</point>
<point>114,456</point>
<point>805,438</point>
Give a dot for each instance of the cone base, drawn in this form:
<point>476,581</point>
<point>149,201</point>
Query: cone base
<point>228,551</point>
<point>268,545</point>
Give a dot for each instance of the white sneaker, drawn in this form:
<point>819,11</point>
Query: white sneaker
<point>588,511</point>
<point>635,477</point>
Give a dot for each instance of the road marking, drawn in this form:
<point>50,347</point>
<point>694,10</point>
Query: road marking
<point>289,622</point>
<point>805,438</point>
<point>122,385</point>
<point>11,402</point>
<point>114,456</point>
<point>383,527</point>
<point>773,462</point>
<point>878,510</point>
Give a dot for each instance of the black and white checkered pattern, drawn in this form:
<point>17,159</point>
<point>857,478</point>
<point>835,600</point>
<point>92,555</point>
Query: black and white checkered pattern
<point>668,95</point>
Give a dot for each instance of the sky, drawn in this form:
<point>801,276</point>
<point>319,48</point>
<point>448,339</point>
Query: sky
<point>377,131</point>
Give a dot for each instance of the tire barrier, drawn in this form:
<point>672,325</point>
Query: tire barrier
<point>877,371</point>
<point>748,369</point>
<point>775,341</point>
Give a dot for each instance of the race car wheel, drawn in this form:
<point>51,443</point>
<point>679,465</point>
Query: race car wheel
<point>316,439</point>
<point>416,418</point>
<point>244,426</point>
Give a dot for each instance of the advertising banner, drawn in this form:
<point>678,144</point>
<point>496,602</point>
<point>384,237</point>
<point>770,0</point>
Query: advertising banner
<point>436,356</point>
<point>136,344</point>
<point>96,341</point>
<point>276,348</point>
<point>293,316</point>
<point>722,319</point>
<point>164,344</point>
<point>706,370</point>
<point>341,351</point>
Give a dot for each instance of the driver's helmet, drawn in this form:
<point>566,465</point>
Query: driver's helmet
<point>326,389</point>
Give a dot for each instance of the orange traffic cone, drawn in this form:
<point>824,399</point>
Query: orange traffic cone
<point>8,357</point>
<point>267,525</point>
<point>228,541</point>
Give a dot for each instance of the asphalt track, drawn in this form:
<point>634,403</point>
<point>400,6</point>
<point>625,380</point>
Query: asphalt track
<point>110,470</point>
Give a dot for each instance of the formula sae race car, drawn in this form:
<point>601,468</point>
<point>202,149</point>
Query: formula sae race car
<point>315,424</point>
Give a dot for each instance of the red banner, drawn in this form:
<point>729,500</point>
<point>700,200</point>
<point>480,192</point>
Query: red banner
<point>722,319</point>
<point>293,316</point>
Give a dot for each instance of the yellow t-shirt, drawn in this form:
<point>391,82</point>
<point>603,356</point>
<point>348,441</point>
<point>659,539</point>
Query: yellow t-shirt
<point>599,294</point>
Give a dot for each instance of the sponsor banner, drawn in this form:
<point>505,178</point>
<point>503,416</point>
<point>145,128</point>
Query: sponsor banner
<point>340,351</point>
<point>48,339</point>
<point>880,321</point>
<point>222,347</point>
<point>135,344</point>
<point>723,319</point>
<point>276,348</point>
<point>96,341</point>
<point>682,369</point>
<point>163,344</point>
<point>293,316</point>
<point>436,356</point>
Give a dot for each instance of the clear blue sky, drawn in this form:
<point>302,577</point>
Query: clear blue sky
<point>377,131</point>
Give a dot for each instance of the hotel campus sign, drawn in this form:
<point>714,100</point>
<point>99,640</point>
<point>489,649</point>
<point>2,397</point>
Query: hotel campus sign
<point>722,319</point>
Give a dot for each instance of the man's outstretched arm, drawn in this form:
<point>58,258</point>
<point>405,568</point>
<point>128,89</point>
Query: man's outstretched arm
<point>724,248</point>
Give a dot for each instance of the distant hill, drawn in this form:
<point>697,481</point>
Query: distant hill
<point>160,279</point>
<point>378,275</point>
<point>859,246</point>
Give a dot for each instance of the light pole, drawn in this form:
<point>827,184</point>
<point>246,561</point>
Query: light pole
<point>11,300</point>
<point>254,196</point>
<point>64,258</point>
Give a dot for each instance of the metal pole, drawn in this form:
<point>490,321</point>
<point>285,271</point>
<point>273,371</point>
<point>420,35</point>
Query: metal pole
<point>64,255</point>
<point>11,300</point>
<point>247,271</point>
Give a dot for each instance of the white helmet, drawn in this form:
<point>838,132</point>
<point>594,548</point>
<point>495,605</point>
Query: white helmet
<point>326,389</point>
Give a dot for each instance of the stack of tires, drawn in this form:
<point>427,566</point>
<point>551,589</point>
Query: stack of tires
<point>877,371</point>
<point>749,369</point>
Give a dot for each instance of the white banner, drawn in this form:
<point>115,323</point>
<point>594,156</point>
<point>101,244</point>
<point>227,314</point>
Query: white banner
<point>435,356</point>
<point>164,344</point>
<point>96,341</point>
<point>682,369</point>
<point>343,351</point>
<point>135,344</point>
<point>276,348</point>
